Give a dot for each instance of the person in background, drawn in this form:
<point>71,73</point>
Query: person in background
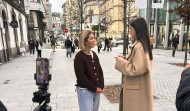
<point>31,45</point>
<point>39,48</point>
<point>76,41</point>
<point>53,42</point>
<point>99,44</point>
<point>136,67</point>
<point>110,45</point>
<point>175,42</point>
<point>23,47</point>
<point>68,45</point>
<point>151,41</point>
<point>89,74</point>
<point>106,44</point>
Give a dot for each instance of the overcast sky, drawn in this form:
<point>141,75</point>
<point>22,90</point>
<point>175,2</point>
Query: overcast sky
<point>56,5</point>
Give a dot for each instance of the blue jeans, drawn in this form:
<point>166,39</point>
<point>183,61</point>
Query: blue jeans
<point>88,100</point>
<point>69,51</point>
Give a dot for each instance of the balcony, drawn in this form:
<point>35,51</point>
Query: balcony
<point>37,6</point>
<point>18,4</point>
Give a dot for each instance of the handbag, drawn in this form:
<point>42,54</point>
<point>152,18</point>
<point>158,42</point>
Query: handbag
<point>39,47</point>
<point>22,49</point>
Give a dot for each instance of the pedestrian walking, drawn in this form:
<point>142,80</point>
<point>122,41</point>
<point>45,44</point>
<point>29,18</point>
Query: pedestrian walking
<point>106,44</point>
<point>151,41</point>
<point>99,44</point>
<point>22,47</point>
<point>73,47</point>
<point>110,45</point>
<point>76,41</point>
<point>175,42</point>
<point>136,67</point>
<point>53,42</point>
<point>31,45</point>
<point>39,48</point>
<point>68,45</point>
<point>89,74</point>
<point>183,91</point>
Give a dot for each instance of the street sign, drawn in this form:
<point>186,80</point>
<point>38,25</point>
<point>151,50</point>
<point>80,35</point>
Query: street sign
<point>66,30</point>
<point>14,24</point>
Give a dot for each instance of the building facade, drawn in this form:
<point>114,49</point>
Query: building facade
<point>111,16</point>
<point>56,23</point>
<point>13,28</point>
<point>164,26</point>
<point>49,26</point>
<point>36,19</point>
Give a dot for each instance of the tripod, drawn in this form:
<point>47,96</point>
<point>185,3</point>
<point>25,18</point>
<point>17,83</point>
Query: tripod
<point>43,98</point>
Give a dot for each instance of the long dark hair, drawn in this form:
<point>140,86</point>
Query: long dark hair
<point>142,34</point>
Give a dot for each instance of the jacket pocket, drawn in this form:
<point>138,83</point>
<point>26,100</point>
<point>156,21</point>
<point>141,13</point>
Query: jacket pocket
<point>132,86</point>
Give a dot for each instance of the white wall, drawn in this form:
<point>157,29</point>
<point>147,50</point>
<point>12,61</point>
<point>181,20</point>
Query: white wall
<point>11,30</point>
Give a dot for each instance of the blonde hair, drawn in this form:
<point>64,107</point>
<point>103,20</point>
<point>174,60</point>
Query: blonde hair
<point>83,38</point>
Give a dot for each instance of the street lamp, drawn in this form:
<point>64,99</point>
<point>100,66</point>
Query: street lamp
<point>124,45</point>
<point>124,27</point>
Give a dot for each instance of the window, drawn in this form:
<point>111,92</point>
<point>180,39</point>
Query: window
<point>37,1</point>
<point>90,15</point>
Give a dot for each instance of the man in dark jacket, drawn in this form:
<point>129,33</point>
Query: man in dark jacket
<point>106,44</point>
<point>183,92</point>
<point>31,45</point>
<point>68,45</point>
<point>53,42</point>
<point>175,42</point>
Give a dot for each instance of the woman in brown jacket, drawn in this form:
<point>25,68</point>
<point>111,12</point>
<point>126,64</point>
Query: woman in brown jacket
<point>90,80</point>
<point>136,68</point>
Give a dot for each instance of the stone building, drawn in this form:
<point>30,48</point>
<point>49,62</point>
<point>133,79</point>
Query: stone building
<point>13,28</point>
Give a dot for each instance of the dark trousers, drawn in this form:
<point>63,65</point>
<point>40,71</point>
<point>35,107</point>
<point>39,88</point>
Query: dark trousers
<point>99,48</point>
<point>106,45</point>
<point>174,49</point>
<point>151,46</point>
<point>39,53</point>
<point>32,50</point>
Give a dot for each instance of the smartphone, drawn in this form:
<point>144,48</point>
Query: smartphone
<point>42,71</point>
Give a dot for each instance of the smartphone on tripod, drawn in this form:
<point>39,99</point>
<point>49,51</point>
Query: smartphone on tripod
<point>42,71</point>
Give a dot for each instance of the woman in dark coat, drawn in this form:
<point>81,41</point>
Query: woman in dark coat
<point>31,45</point>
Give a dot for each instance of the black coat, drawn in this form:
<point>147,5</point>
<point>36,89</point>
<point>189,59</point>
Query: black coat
<point>175,41</point>
<point>183,92</point>
<point>31,44</point>
<point>68,43</point>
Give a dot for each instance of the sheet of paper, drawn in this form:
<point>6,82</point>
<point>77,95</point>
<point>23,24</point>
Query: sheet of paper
<point>113,53</point>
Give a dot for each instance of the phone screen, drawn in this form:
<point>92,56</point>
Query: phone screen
<point>42,71</point>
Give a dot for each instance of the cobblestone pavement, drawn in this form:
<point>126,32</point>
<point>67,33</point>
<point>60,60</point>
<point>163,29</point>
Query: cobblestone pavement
<point>19,75</point>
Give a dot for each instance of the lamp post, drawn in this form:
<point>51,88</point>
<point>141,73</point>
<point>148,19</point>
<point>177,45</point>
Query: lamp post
<point>124,45</point>
<point>124,27</point>
<point>99,18</point>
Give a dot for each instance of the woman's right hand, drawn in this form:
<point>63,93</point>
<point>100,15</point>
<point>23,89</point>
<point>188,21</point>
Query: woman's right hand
<point>99,90</point>
<point>120,55</point>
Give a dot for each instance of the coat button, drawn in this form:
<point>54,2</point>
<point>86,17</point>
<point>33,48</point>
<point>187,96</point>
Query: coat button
<point>97,79</point>
<point>95,73</point>
<point>94,67</point>
<point>92,60</point>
